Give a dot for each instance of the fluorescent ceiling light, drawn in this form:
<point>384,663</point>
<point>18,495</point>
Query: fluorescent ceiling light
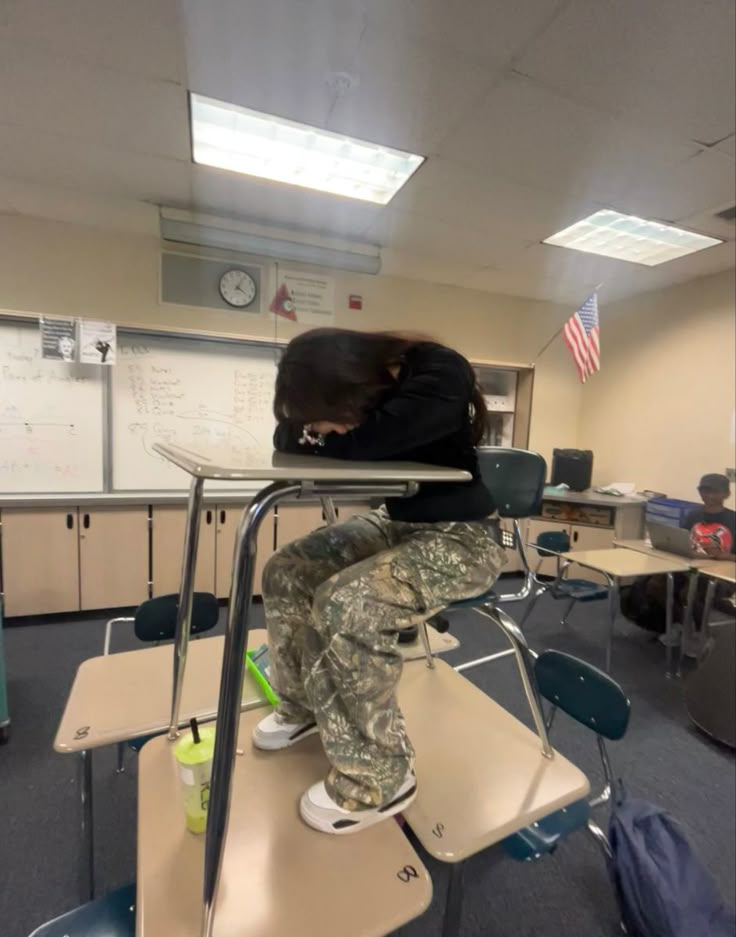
<point>245,141</point>
<point>265,241</point>
<point>626,237</point>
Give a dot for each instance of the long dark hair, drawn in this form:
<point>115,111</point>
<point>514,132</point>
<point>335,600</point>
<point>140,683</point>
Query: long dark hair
<point>340,375</point>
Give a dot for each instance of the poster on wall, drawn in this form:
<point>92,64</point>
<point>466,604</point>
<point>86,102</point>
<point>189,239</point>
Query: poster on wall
<point>306,298</point>
<point>58,339</point>
<point>97,342</point>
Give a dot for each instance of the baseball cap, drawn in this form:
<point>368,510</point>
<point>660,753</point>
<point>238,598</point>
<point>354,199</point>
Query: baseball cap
<point>715,482</point>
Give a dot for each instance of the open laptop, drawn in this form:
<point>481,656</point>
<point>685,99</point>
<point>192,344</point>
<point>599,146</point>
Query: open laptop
<point>671,539</point>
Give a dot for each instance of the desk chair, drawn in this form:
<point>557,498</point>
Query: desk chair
<point>515,478</point>
<point>155,621</point>
<point>111,916</point>
<point>596,701</point>
<point>552,543</point>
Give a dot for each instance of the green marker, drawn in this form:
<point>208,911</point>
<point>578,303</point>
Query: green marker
<point>194,752</point>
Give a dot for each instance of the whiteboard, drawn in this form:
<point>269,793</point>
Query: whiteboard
<point>188,392</point>
<point>51,418</point>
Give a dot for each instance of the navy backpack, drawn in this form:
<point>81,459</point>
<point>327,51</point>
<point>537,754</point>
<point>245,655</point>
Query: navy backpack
<point>662,889</point>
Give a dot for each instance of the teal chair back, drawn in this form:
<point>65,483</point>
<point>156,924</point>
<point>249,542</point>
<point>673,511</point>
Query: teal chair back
<point>552,541</point>
<point>584,692</point>
<point>515,478</point>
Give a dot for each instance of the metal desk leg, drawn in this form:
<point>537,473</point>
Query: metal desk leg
<point>687,625</point>
<point>328,509</point>
<point>88,839</point>
<point>454,901</point>
<point>184,612</point>
<point>612,612</point>
<point>668,629</point>
<point>710,594</point>
<point>525,664</point>
<point>228,707</point>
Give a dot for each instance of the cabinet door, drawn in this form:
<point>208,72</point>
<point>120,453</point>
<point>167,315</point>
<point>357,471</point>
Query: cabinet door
<point>113,557</point>
<point>228,517</point>
<point>513,560</point>
<point>40,550</point>
<point>589,538</point>
<point>167,547</point>
<point>548,566</point>
<point>297,520</point>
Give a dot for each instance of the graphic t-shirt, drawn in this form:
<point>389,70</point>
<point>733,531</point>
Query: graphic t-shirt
<point>718,529</point>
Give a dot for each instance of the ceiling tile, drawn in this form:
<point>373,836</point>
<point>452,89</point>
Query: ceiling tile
<point>259,200</point>
<point>276,57</point>
<point>666,63</point>
<point>670,193</point>
<point>137,36</point>
<point>536,137</point>
<point>450,192</point>
<point>408,94</point>
<point>424,267</point>
<point>69,98</point>
<point>489,33</point>
<point>49,159</point>
<point>455,242</point>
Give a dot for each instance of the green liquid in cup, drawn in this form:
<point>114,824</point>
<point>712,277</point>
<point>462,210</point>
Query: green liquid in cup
<point>195,773</point>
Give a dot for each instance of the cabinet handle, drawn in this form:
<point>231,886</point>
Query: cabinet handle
<point>70,522</point>
<point>222,517</point>
<point>208,516</point>
<point>575,537</point>
<point>85,521</point>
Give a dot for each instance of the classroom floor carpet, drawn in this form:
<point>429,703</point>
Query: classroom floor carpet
<point>662,759</point>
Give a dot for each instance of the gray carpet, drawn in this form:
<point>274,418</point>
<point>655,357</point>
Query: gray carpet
<point>662,759</point>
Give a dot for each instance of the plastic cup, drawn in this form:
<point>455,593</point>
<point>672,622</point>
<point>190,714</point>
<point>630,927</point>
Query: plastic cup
<point>195,773</point>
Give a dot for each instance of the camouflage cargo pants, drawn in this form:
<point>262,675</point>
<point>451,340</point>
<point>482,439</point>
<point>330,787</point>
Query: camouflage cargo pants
<point>335,601</point>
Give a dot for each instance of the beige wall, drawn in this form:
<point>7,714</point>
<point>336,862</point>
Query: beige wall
<point>57,268</point>
<point>660,411</point>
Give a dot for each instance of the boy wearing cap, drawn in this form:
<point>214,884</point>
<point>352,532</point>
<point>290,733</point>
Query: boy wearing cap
<point>713,527</point>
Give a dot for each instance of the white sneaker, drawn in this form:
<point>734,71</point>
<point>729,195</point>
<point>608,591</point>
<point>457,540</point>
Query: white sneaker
<point>274,732</point>
<point>320,811</point>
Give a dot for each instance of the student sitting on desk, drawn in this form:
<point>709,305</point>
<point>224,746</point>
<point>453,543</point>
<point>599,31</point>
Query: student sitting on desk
<point>713,527</point>
<point>336,599</point>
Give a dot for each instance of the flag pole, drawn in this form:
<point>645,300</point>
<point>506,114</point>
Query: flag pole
<point>558,332</point>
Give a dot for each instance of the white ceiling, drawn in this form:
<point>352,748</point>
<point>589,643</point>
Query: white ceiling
<point>531,115</point>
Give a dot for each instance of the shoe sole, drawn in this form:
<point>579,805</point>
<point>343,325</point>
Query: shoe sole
<point>347,827</point>
<point>265,744</point>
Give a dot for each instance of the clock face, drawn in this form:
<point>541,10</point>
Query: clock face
<point>237,288</point>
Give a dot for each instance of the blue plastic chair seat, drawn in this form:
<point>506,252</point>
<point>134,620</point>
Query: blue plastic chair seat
<point>542,838</point>
<point>485,598</point>
<point>582,590</point>
<point>111,916</point>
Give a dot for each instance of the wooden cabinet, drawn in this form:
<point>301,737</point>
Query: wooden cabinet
<point>40,556</point>
<point>346,511</point>
<point>227,519</point>
<point>589,538</point>
<point>548,566</point>
<point>113,556</point>
<point>513,560</point>
<point>297,520</point>
<point>168,525</point>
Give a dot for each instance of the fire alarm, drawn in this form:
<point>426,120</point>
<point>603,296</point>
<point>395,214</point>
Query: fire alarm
<point>355,301</point>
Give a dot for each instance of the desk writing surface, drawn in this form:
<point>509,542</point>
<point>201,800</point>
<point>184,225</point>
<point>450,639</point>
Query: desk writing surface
<point>643,546</point>
<point>724,570</point>
<point>620,563</point>
<point>122,696</point>
<point>279,877</point>
<point>481,774</point>
<point>222,463</point>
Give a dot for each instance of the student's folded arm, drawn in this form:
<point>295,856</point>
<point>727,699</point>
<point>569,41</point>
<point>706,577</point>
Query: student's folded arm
<point>428,406</point>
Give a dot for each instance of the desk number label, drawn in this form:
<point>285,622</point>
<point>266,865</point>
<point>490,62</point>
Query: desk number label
<point>406,874</point>
<point>82,732</point>
<point>439,830</point>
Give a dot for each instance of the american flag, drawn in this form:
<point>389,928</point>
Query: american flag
<point>582,336</point>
